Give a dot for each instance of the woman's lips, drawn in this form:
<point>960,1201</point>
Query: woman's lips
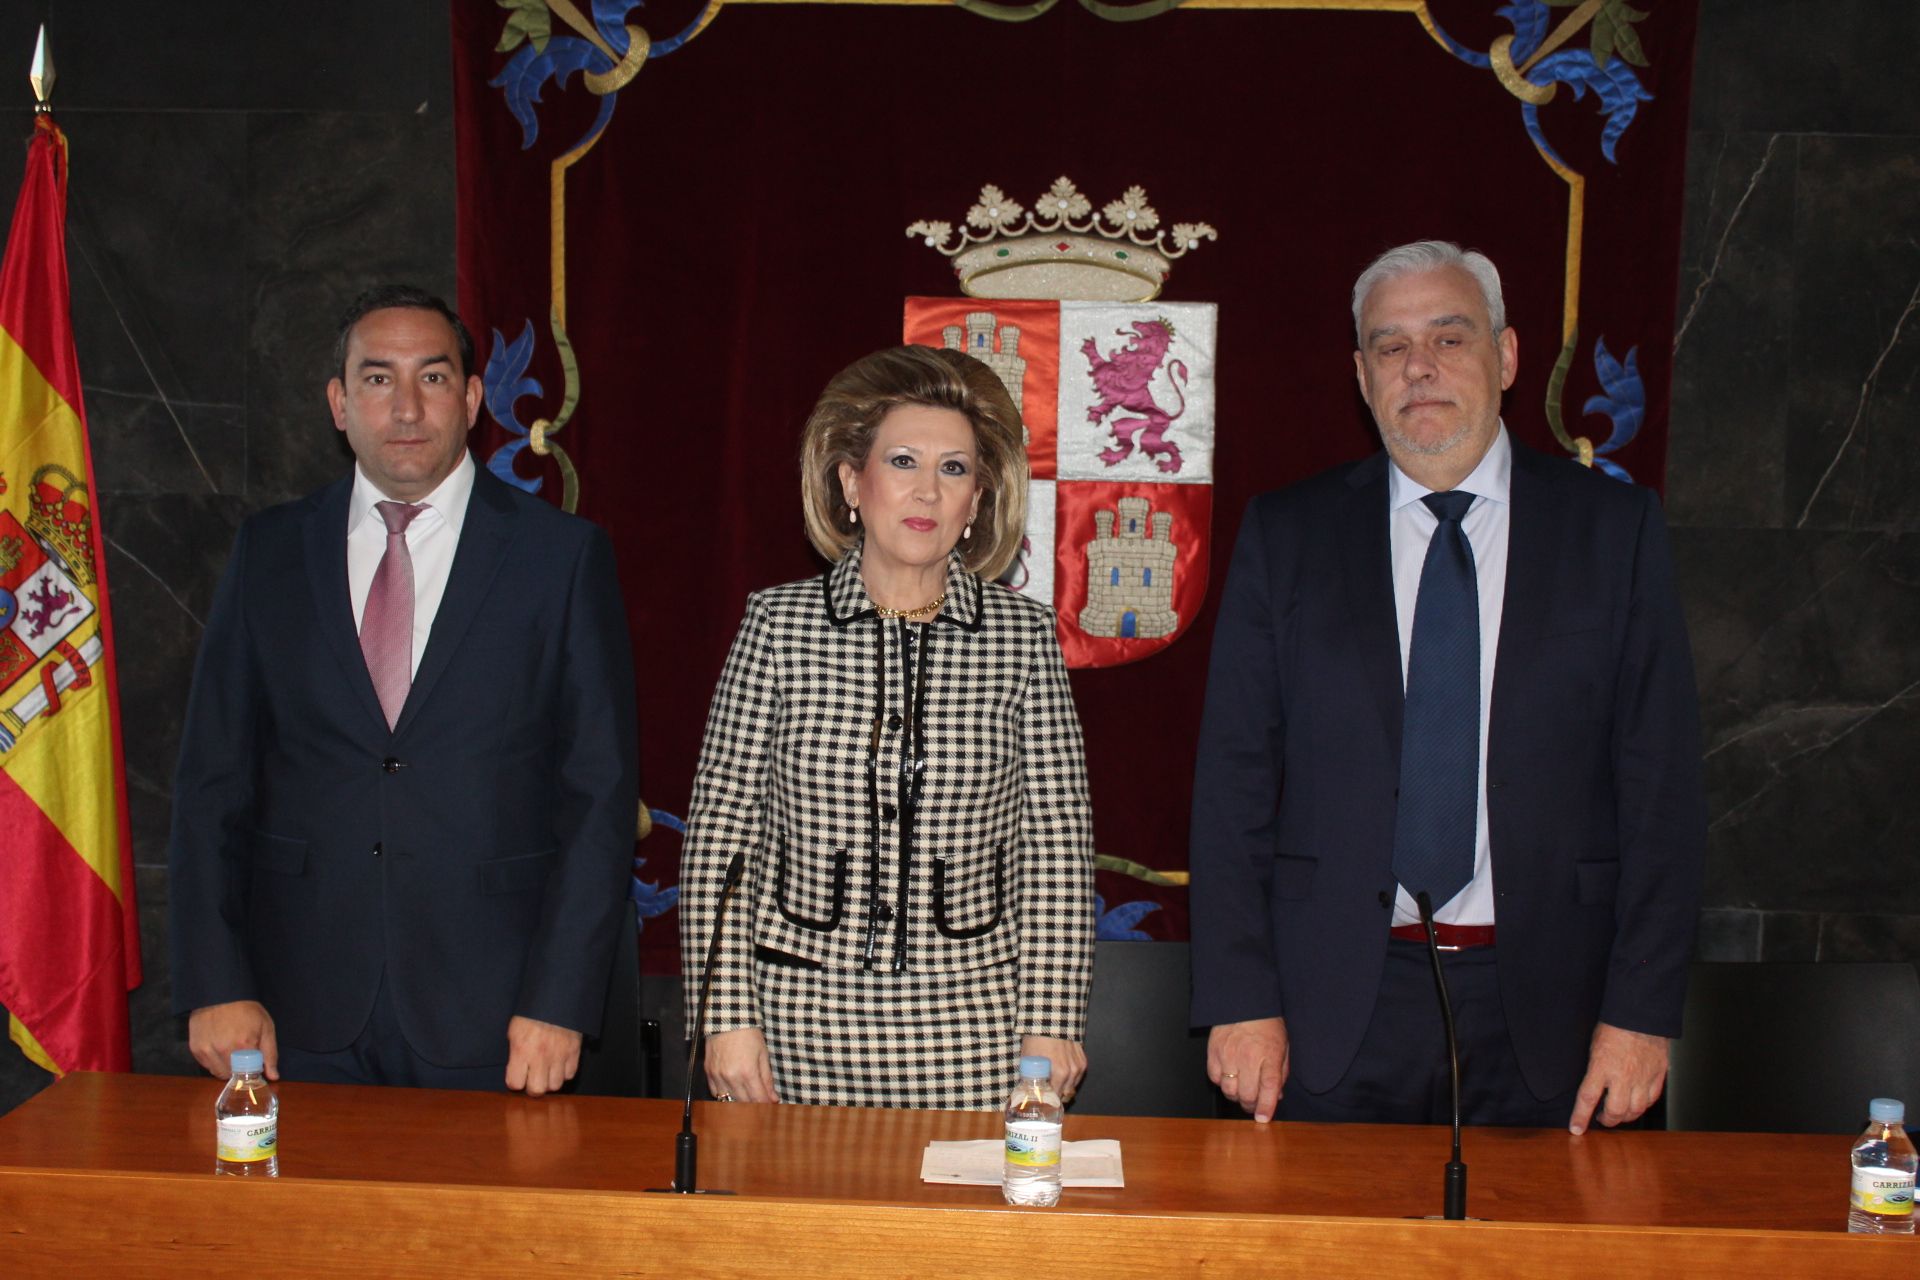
<point>919,524</point>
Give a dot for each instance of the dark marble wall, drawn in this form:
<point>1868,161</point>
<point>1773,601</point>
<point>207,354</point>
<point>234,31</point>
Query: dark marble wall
<point>1792,472</point>
<point>241,170</point>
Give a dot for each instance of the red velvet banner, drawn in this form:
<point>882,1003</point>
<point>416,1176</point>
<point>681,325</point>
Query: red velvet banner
<point>669,240</point>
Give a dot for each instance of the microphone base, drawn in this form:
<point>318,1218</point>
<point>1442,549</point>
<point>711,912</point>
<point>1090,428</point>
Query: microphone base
<point>697,1191</point>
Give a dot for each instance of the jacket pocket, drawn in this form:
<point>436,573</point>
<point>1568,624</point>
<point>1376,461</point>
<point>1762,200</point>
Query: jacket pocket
<point>517,874</point>
<point>1293,876</point>
<point>1598,881</point>
<point>837,904</point>
<point>279,854</point>
<point>942,918</point>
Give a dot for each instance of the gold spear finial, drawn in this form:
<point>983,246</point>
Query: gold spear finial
<point>42,73</point>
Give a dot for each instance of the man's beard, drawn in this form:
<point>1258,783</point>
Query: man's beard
<point>1396,440</point>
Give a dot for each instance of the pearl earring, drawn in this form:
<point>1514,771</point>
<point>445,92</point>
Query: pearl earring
<point>853,515</point>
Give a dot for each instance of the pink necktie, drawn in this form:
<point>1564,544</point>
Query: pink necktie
<point>386,627</point>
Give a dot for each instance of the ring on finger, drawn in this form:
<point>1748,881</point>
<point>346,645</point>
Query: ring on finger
<point>725,1097</point>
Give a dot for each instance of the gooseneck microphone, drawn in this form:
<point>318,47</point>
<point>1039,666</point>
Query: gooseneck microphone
<point>1455,1198</point>
<point>686,1145</point>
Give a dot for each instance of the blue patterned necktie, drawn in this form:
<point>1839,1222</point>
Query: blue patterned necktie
<point>1433,835</point>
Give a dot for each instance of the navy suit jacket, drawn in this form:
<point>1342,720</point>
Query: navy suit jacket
<point>1594,796</point>
<point>477,854</point>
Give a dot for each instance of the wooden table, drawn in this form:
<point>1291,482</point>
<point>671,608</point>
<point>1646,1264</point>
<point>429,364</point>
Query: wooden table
<point>105,1175</point>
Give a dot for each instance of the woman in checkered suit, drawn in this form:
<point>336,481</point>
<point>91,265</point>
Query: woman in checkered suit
<point>893,746</point>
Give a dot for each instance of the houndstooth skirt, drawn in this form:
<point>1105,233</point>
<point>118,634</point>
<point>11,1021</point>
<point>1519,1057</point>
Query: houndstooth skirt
<point>862,1039</point>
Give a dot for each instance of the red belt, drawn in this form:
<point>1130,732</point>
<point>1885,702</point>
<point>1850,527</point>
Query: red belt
<point>1448,937</point>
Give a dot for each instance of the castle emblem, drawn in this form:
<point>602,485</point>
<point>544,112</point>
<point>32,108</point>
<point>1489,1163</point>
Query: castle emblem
<point>1005,361</point>
<point>1130,574</point>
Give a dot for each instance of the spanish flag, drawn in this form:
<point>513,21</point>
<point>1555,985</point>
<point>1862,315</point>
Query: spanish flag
<point>69,931</point>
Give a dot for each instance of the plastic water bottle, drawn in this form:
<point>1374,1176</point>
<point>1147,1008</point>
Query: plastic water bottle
<point>1034,1114</point>
<point>247,1120</point>
<point>1883,1168</point>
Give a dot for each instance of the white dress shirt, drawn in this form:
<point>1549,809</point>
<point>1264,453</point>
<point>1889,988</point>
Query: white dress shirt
<point>1486,523</point>
<point>431,540</point>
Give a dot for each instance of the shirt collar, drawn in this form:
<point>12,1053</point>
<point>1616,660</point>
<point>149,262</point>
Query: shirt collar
<point>449,497</point>
<point>846,594</point>
<point>1492,479</point>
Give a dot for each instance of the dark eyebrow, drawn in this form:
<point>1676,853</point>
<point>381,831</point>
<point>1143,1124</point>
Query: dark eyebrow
<point>378,362</point>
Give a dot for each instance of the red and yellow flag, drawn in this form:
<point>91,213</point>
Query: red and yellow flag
<point>69,931</point>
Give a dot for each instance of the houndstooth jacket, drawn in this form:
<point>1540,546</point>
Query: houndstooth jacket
<point>909,797</point>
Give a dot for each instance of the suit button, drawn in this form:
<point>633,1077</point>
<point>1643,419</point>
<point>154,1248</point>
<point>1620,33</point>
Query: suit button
<point>376,848</point>
<point>885,913</point>
<point>893,723</point>
<point>1385,901</point>
<point>888,812</point>
<point>390,764</point>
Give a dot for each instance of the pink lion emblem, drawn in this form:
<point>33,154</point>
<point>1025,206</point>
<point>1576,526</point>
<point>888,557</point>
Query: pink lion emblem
<point>1122,378</point>
<point>51,604</point>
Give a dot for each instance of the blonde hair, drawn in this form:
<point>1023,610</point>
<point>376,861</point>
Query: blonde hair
<point>848,414</point>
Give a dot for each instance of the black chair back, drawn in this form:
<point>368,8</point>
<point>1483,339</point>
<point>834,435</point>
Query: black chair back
<point>1795,1048</point>
<point>1141,1058</point>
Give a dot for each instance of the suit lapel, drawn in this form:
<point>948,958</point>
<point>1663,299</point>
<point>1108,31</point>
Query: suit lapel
<point>1367,568</point>
<point>326,557</point>
<point>1531,536</point>
<point>484,537</point>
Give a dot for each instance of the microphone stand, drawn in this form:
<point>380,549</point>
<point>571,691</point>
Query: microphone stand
<point>1455,1199</point>
<point>686,1144</point>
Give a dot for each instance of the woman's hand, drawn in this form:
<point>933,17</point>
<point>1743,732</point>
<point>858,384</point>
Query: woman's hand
<point>1069,1061</point>
<point>738,1069</point>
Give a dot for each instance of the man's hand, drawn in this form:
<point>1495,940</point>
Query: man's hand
<point>1629,1067</point>
<point>1248,1060</point>
<point>540,1056</point>
<point>738,1068</point>
<point>1068,1057</point>
<point>214,1031</point>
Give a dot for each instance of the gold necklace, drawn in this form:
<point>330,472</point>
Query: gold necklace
<point>926,610</point>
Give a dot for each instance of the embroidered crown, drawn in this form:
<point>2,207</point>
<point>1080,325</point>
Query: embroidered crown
<point>61,519</point>
<point>1060,249</point>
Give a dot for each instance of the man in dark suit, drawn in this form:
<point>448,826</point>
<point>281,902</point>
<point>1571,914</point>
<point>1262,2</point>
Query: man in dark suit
<point>1456,668</point>
<point>404,813</point>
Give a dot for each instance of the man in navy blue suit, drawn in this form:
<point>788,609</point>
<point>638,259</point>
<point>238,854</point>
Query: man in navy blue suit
<point>405,805</point>
<point>1456,667</point>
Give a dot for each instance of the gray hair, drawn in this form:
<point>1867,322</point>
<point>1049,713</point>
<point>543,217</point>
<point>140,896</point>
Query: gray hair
<point>1431,255</point>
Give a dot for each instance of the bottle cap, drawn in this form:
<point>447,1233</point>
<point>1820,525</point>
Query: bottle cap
<point>1036,1068</point>
<point>246,1060</point>
<point>1887,1111</point>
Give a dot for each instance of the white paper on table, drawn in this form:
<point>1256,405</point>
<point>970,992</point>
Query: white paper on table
<point>981,1161</point>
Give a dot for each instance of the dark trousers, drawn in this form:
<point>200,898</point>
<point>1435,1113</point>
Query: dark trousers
<point>381,1055</point>
<point>1400,1074</point>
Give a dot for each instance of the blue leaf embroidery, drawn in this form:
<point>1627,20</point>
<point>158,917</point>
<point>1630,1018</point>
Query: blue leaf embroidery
<point>1117,925</point>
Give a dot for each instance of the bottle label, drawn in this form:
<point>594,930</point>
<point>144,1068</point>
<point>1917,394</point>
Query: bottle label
<point>245,1139</point>
<point>1888,1192</point>
<point>1033,1144</point>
